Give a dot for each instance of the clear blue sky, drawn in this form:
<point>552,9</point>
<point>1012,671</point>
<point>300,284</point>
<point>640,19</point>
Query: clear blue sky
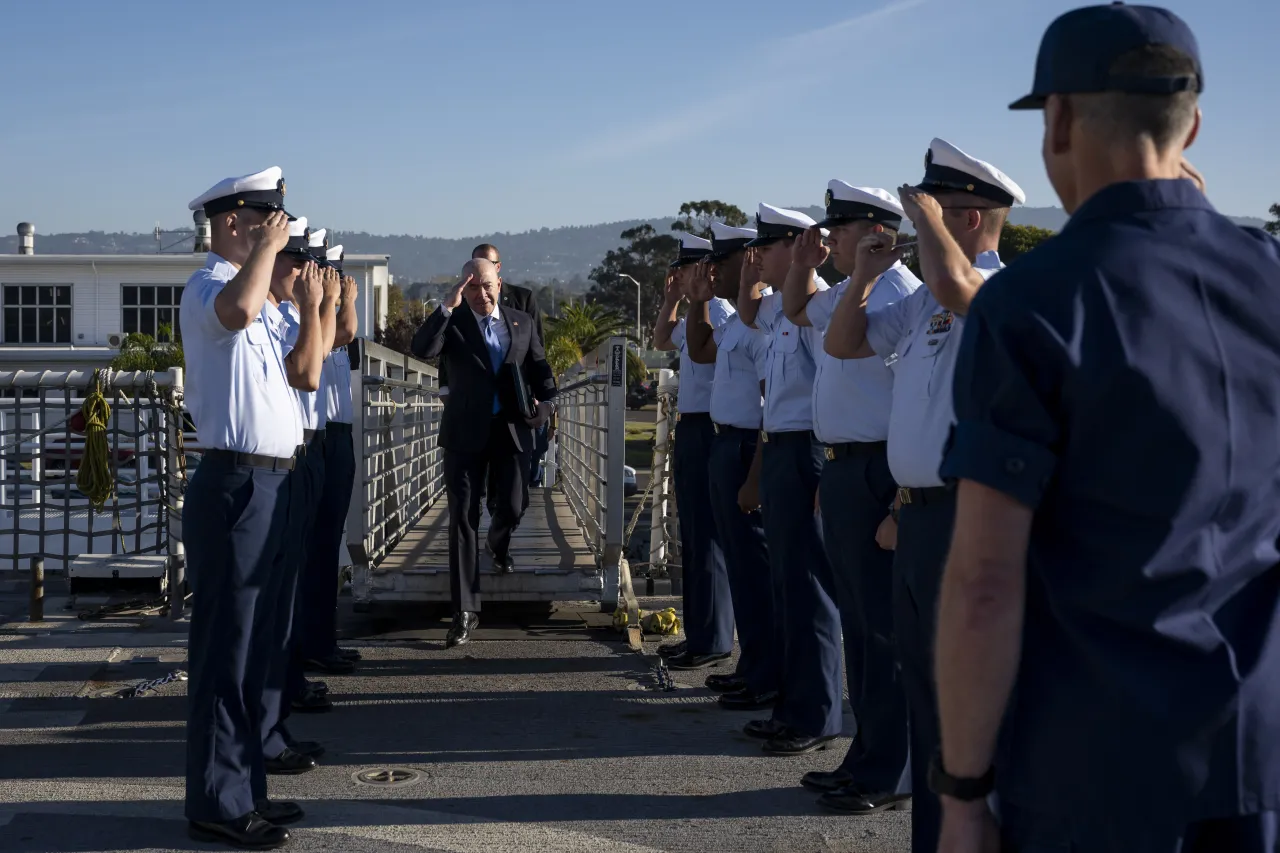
<point>451,119</point>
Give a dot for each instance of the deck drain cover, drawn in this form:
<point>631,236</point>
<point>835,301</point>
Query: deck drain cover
<point>387,777</point>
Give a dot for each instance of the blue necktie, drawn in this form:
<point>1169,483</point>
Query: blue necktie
<point>495,354</point>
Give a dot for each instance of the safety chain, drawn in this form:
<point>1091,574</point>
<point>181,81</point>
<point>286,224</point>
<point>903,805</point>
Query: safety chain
<point>148,686</point>
<point>662,677</point>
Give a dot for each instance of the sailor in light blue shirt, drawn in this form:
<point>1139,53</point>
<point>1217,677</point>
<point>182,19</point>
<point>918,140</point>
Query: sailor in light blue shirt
<point>851,400</point>
<point>708,610</point>
<point>958,210</point>
<point>240,395</point>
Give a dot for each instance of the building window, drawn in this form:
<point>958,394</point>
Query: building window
<point>37,313</point>
<point>152,309</point>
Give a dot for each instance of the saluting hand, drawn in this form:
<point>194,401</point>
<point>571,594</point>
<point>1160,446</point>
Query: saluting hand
<point>807,251</point>
<point>454,299</point>
<point>670,290</point>
<point>917,203</point>
<point>700,287</point>
<point>350,290</point>
<point>308,291</point>
<point>273,234</point>
<point>876,254</point>
<point>332,284</point>
<point>751,267</point>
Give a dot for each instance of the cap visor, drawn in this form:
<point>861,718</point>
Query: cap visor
<point>830,222</point>
<point>1030,102</point>
<point>762,241</point>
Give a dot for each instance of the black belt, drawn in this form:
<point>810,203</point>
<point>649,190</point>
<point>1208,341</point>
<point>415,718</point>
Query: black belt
<point>693,417</point>
<point>730,429</point>
<point>800,435</point>
<point>253,460</point>
<point>338,427</point>
<point>927,495</point>
<point>309,434</point>
<point>855,448</point>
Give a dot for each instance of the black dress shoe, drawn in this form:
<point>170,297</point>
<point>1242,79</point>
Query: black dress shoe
<point>333,665</point>
<point>316,687</point>
<point>745,700</point>
<point>824,781</point>
<point>503,565</point>
<point>672,650</point>
<point>765,729</point>
<point>460,630</point>
<point>688,660</point>
<point>726,683</point>
<point>279,812</point>
<point>250,832</point>
<point>309,748</point>
<point>312,702</point>
<point>290,763</point>
<point>350,654</point>
<point>794,743</point>
<point>852,800</point>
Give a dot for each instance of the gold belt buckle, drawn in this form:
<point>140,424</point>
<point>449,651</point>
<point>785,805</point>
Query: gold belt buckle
<point>715,427</point>
<point>764,436</point>
<point>904,495</point>
<point>830,453</point>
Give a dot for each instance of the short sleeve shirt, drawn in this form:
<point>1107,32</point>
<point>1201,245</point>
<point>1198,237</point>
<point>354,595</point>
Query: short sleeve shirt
<point>790,367</point>
<point>1122,381</point>
<point>918,339</point>
<point>236,388</point>
<point>852,397</point>
<point>311,404</point>
<point>742,356</point>
<point>336,386</point>
<point>695,379</point>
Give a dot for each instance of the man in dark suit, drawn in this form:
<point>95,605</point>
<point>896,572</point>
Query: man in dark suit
<point>486,348</point>
<point>521,299</point>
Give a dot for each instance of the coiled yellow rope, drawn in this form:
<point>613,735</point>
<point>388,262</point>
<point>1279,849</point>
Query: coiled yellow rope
<point>94,477</point>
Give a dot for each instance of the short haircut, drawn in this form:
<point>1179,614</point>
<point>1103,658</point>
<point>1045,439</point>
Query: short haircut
<point>1164,119</point>
<point>488,251</point>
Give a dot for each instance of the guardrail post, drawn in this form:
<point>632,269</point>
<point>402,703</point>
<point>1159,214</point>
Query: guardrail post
<point>176,564</point>
<point>661,489</point>
<point>358,511</point>
<point>615,458</point>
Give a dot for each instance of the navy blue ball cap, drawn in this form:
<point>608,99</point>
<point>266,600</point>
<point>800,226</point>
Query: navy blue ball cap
<point>1080,47</point>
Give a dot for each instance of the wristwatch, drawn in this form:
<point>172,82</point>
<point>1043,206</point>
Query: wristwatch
<point>944,784</point>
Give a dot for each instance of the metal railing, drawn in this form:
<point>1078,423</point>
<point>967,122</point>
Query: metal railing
<point>43,513</point>
<point>664,531</point>
<point>588,458</point>
<point>399,465</point>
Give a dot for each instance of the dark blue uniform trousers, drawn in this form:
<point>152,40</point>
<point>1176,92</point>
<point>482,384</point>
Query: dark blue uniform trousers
<point>285,680</point>
<point>750,585</point>
<point>318,584</point>
<point>924,538</point>
<point>234,523</point>
<point>855,493</point>
<point>1120,832</point>
<point>808,617</point>
<point>708,609</point>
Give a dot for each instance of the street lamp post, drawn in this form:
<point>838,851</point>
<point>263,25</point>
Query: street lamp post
<point>637,284</point>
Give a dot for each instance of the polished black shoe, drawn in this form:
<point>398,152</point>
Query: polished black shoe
<point>793,743</point>
<point>251,832</point>
<point>316,686</point>
<point>824,781</point>
<point>460,630</point>
<point>745,700</point>
<point>726,683</point>
<point>309,748</point>
<point>765,729</point>
<point>279,812</point>
<point>852,800</point>
<point>333,665</point>
<point>503,565</point>
<point>672,650</point>
<point>688,660</point>
<point>312,702</point>
<point>352,655</point>
<point>290,763</point>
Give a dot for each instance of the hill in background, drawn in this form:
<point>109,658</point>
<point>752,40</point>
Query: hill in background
<point>567,254</point>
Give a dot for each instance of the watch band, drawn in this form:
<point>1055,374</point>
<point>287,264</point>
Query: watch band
<point>944,784</point>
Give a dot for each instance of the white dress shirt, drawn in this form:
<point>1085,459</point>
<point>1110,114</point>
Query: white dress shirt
<point>742,363</point>
<point>311,404</point>
<point>695,379</point>
<point>852,396</point>
<point>791,367</point>
<point>236,387</point>
<point>336,386</point>
<point>920,340</point>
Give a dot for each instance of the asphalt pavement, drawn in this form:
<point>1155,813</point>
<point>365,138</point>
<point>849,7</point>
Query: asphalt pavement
<point>543,734</point>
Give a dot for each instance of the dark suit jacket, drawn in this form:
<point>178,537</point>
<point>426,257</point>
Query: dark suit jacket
<point>459,344</point>
<point>511,296</point>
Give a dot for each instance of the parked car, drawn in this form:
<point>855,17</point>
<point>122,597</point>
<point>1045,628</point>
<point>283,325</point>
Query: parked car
<point>641,394</point>
<point>629,486</point>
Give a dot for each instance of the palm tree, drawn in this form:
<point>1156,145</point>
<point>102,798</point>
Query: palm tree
<point>588,325</point>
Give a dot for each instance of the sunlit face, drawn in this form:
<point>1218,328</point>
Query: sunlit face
<point>775,260</point>
<point>284,274</point>
<point>843,242</point>
<point>482,291</point>
<point>684,277</point>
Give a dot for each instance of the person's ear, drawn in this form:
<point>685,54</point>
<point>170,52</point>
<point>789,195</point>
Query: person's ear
<point>1059,115</point>
<point>1195,131</point>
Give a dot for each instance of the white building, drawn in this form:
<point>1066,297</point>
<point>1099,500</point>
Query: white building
<point>64,311</point>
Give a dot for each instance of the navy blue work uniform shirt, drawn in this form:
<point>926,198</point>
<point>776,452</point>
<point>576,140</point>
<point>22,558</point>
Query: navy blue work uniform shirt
<point>1123,381</point>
